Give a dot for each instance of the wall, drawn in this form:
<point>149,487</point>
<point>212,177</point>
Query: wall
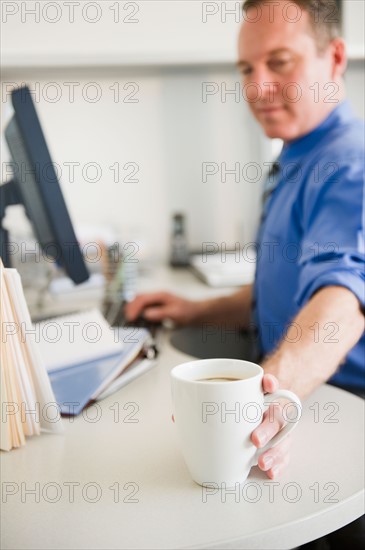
<point>167,135</point>
<point>159,122</point>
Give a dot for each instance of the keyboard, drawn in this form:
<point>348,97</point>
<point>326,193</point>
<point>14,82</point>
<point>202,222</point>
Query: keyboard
<point>217,273</point>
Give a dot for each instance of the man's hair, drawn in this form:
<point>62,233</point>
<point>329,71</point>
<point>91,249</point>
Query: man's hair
<point>324,18</point>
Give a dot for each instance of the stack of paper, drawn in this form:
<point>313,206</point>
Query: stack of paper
<point>28,404</point>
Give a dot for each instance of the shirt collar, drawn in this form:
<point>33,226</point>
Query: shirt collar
<point>342,114</point>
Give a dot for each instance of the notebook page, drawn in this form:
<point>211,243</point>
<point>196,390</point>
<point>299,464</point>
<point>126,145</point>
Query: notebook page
<point>70,340</point>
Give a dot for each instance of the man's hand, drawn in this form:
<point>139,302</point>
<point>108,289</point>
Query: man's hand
<point>158,306</point>
<point>233,310</point>
<point>273,461</point>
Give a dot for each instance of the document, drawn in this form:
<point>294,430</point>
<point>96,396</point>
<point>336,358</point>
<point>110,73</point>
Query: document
<point>86,359</point>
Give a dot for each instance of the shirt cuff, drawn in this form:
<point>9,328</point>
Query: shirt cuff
<point>351,280</point>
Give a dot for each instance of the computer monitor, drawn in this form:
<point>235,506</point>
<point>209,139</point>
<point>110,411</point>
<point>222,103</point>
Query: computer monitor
<point>36,187</point>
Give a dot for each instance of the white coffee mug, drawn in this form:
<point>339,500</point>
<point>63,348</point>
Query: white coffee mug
<point>215,418</point>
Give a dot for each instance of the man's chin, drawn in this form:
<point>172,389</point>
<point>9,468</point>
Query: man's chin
<point>277,126</point>
<point>279,131</point>
<point>274,133</point>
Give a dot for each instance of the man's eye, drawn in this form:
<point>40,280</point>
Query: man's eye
<point>280,64</point>
<point>246,71</point>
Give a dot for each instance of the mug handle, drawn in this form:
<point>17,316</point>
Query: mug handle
<point>289,426</point>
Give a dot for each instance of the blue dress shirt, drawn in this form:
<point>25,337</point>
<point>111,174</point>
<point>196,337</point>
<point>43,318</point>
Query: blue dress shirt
<point>312,234</point>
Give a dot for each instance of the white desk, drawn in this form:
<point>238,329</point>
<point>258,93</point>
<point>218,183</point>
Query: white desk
<point>144,497</point>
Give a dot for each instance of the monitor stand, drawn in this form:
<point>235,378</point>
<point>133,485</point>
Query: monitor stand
<point>9,196</point>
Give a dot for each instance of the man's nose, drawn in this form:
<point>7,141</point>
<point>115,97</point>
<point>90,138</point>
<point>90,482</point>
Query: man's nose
<point>261,86</point>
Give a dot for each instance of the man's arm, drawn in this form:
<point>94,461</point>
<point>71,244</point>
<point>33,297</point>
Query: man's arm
<point>233,310</point>
<point>318,340</point>
<point>303,363</point>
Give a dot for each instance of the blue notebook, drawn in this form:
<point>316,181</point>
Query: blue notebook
<point>75,387</point>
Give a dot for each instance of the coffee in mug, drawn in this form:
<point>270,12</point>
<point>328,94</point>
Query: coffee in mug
<point>219,379</point>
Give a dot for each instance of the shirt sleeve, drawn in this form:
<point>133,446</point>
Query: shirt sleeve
<point>333,228</point>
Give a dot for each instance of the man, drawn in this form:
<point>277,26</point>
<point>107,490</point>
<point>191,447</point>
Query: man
<point>309,289</point>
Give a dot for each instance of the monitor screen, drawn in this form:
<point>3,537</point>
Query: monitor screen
<point>36,186</point>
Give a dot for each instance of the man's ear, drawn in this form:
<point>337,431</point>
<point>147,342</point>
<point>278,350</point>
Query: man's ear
<point>339,58</point>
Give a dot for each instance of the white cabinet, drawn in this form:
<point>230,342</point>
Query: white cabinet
<point>137,32</point>
<point>353,27</point>
<point>115,32</point>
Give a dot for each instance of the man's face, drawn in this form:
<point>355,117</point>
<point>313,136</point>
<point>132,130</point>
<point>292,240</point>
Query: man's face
<point>288,84</point>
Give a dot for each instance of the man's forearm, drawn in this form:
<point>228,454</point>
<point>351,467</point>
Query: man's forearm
<point>317,341</point>
<point>233,310</point>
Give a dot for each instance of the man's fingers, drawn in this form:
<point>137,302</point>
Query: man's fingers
<point>137,306</point>
<point>276,457</point>
<point>156,313</point>
<point>275,460</point>
<point>272,423</point>
<point>133,309</point>
<point>270,383</point>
